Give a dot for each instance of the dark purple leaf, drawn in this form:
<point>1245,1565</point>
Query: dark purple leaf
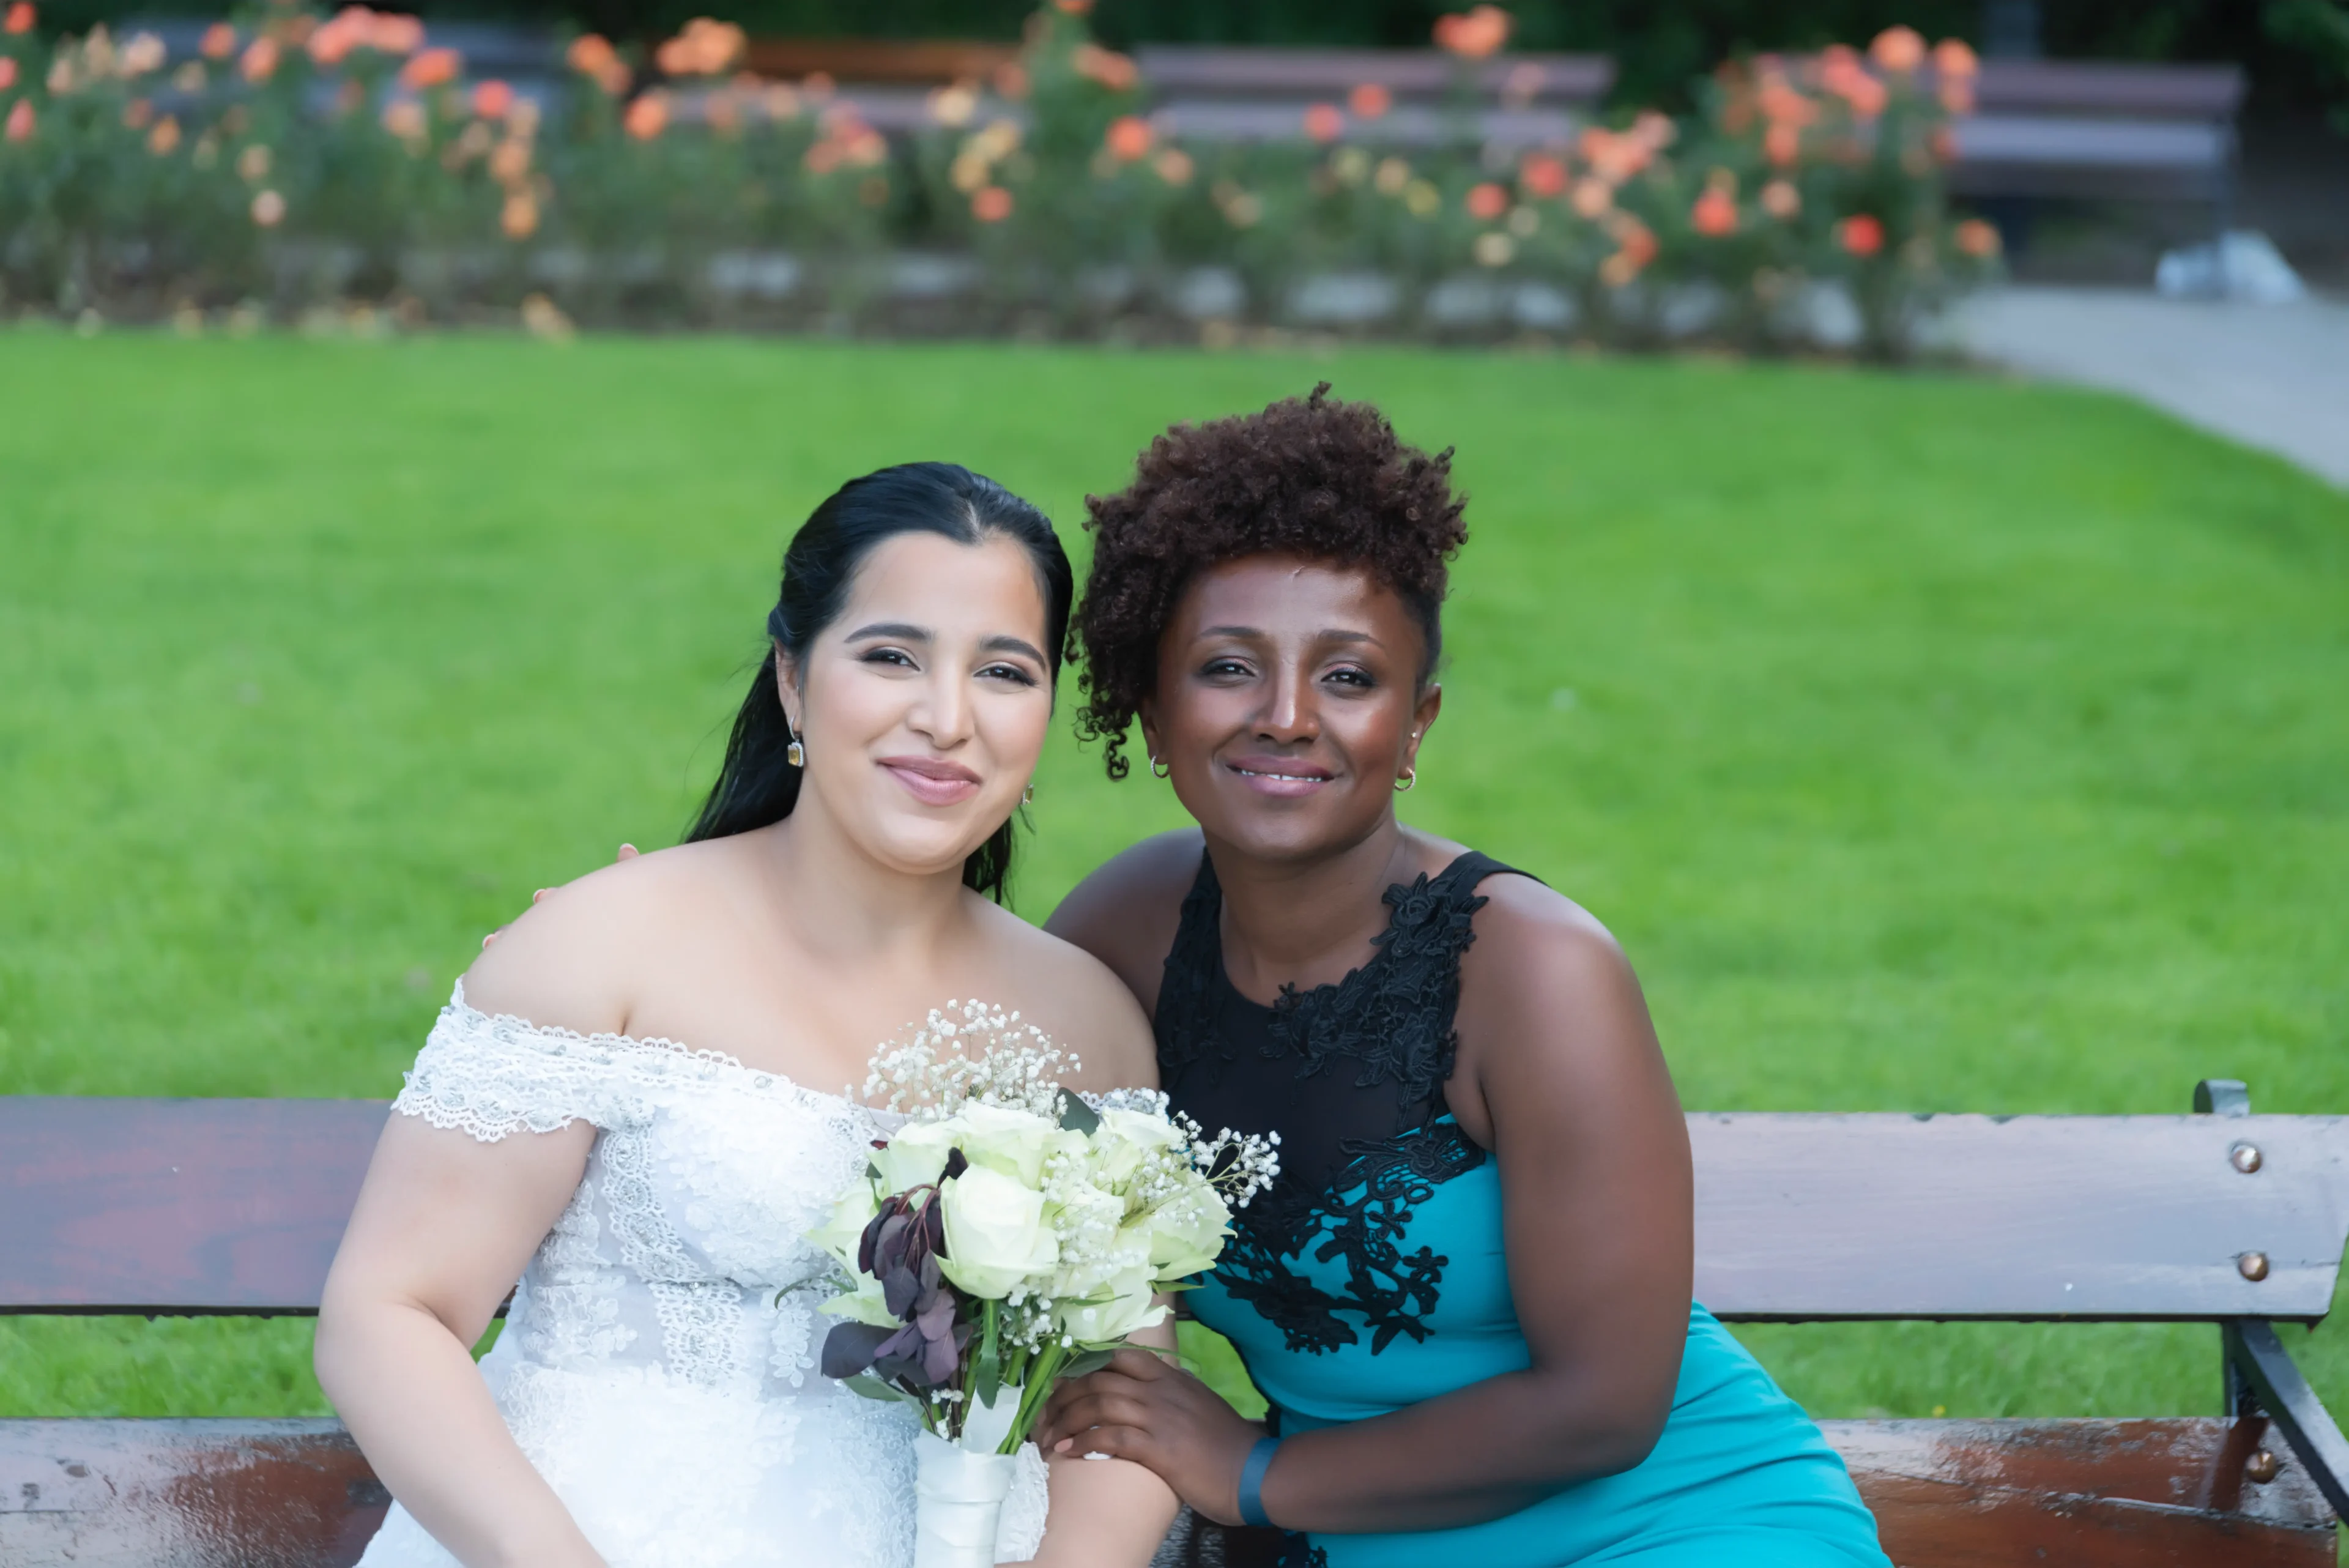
<point>848,1349</point>
<point>902,1288</point>
<point>955,1165</point>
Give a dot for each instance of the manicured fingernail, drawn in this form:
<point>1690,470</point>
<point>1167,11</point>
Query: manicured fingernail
<point>1062,1446</point>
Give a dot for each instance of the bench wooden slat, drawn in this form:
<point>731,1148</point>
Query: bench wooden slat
<point>1197,70</point>
<point>185,1206</point>
<point>1946,1494</point>
<point>2211,92</point>
<point>2146,1217</point>
<point>176,1206</point>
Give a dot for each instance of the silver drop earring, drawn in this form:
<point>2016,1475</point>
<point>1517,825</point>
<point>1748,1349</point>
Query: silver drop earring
<point>794,754</point>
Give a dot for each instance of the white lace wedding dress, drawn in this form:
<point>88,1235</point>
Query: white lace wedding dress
<point>658,1362</point>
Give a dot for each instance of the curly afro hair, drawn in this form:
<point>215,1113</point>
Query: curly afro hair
<point>1312,477</point>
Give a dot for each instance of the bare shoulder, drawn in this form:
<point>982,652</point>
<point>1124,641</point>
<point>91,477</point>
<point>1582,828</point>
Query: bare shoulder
<point>574,959</point>
<point>1081,1003</point>
<point>1124,913</point>
<point>1526,927</point>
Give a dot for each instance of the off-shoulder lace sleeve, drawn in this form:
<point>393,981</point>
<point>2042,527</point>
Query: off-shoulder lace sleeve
<point>488,1075</point>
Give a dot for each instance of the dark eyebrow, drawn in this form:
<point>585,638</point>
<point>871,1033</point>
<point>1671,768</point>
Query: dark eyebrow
<point>1333,634</point>
<point>897,628</point>
<point>1014,645</point>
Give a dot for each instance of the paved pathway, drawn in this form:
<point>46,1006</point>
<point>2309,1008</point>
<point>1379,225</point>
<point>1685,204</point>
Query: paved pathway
<point>2270,376</point>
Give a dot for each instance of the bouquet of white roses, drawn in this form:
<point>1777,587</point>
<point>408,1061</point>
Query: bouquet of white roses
<point>1011,1233</point>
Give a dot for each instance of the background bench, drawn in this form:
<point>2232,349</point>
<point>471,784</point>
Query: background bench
<point>2091,130</point>
<point>235,1205</point>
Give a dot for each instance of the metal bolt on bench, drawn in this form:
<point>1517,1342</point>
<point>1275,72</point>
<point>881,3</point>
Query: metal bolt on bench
<point>188,1207</point>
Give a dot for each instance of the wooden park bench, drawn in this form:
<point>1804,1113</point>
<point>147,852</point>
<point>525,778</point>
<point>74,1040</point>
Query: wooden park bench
<point>158,1207</point>
<point>2102,131</point>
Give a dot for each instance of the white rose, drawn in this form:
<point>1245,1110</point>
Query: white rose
<point>996,1234</point>
<point>1184,1234</point>
<point>844,1232</point>
<point>1123,1139</point>
<point>1122,1309</point>
<point>1013,1142</point>
<point>915,1157</point>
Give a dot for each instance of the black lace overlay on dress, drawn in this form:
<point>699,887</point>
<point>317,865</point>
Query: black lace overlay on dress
<point>1352,1075</point>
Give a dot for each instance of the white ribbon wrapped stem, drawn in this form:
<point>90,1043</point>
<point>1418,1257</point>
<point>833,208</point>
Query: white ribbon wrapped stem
<point>958,1501</point>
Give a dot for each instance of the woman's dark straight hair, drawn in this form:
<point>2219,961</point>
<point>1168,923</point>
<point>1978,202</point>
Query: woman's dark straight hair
<point>757,784</point>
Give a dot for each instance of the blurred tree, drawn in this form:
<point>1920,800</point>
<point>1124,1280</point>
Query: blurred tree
<point>2320,30</point>
<point>2290,45</point>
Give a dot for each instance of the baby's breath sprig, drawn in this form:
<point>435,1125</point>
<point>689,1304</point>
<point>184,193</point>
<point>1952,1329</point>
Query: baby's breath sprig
<point>967,1052</point>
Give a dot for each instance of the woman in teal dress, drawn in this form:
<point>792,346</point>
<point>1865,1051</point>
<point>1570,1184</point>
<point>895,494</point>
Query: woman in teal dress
<point>1467,1297</point>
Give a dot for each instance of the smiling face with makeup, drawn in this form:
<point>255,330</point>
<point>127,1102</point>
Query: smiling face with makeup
<point>923,706</point>
<point>1289,702</point>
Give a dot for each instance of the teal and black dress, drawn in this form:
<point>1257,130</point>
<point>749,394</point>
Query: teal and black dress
<point>1374,1275</point>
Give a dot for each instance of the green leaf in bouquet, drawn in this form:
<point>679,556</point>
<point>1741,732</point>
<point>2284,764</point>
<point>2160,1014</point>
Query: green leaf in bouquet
<point>1089,1361</point>
<point>1077,1116</point>
<point>871,1387</point>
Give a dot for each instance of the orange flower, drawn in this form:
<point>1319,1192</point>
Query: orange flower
<point>1473,35</point>
<point>1074,7</point>
<point>1781,200</point>
<point>7,72</point>
<point>260,62</point>
<point>510,162</point>
<point>220,41</point>
<point>405,120</point>
<point>1324,122</point>
<point>268,209</point>
<point>1128,137</point>
<point>1173,166</point>
<point>1862,235</point>
<point>1782,144</point>
<point>1592,197</point>
<point>589,53</point>
<point>492,98</point>
<point>430,69</point>
<point>332,40</point>
<point>165,137</point>
<point>704,48</point>
<point>1715,214</point>
<point>20,120</point>
<point>1369,100</point>
<point>1955,57</point>
<point>1542,175</point>
<point>1898,49</point>
<point>647,117</point>
<point>1977,239</point>
<point>1110,69</point>
<point>1487,202</point>
<point>518,217</point>
<point>394,35</point>
<point>1865,95</point>
<point>992,204</point>
<point>20,20</point>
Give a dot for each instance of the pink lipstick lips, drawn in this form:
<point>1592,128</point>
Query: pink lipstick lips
<point>932,780</point>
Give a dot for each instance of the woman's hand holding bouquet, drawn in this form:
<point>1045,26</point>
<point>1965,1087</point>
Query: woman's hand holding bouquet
<point>1010,1234</point>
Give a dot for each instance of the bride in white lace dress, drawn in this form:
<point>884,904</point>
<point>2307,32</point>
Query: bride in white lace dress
<point>629,1104</point>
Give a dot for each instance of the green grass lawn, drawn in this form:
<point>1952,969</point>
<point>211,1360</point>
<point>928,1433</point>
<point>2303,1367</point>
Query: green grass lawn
<point>1932,744</point>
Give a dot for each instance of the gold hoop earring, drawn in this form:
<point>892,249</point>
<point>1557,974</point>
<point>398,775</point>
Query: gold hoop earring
<point>1409,781</point>
<point>1159,770</point>
<point>1027,796</point>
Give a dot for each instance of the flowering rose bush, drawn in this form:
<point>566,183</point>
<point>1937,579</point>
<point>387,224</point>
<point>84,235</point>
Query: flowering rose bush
<point>300,158</point>
<point>1011,1233</point>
